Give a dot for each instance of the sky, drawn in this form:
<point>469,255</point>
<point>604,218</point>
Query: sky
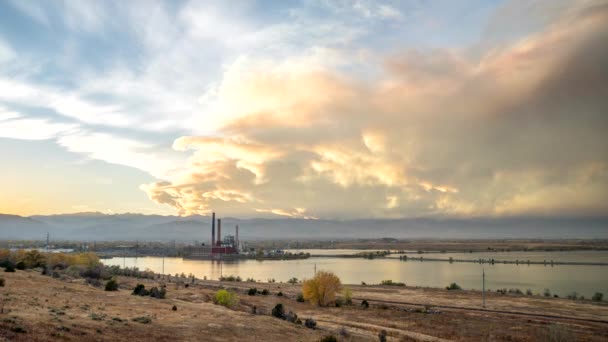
<point>310,109</point>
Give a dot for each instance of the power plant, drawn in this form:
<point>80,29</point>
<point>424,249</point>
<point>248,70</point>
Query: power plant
<point>219,249</point>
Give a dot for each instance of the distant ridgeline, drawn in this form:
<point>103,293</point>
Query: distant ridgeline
<point>136,227</point>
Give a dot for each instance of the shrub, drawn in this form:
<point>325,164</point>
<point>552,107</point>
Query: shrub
<point>97,317</point>
<point>9,268</point>
<point>300,298</point>
<point>278,311</point>
<point>250,280</point>
<point>572,295</point>
<point>391,283</point>
<point>339,302</point>
<point>159,294</point>
<point>365,304</point>
<point>291,317</point>
<point>597,297</point>
<point>529,292</point>
<point>265,292</point>
<point>140,290</point>
<point>18,329</point>
<point>280,294</point>
<point>142,320</point>
<point>382,336</point>
<point>293,281</point>
<point>34,259</point>
<point>112,285</point>
<point>348,295</point>
<point>20,265</point>
<point>252,291</point>
<point>547,293</point>
<point>310,323</point>
<point>2,282</point>
<point>329,338</point>
<point>174,308</point>
<point>225,298</point>
<point>321,290</point>
<point>454,286</point>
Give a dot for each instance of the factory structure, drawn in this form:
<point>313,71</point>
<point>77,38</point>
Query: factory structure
<point>219,249</point>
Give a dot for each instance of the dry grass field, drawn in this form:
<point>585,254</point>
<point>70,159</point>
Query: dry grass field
<point>39,308</point>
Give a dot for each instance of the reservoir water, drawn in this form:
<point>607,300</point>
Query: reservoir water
<point>559,279</point>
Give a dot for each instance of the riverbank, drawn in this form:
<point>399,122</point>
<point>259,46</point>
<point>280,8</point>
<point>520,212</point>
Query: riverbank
<point>41,308</point>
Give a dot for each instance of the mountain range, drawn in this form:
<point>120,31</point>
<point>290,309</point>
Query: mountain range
<point>94,226</point>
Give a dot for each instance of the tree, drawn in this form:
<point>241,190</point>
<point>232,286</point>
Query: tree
<point>34,259</point>
<point>322,289</point>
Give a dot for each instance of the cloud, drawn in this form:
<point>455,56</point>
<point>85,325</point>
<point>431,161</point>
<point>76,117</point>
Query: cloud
<point>13,125</point>
<point>7,54</point>
<point>519,129</point>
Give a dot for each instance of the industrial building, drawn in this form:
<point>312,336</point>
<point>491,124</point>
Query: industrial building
<point>219,249</point>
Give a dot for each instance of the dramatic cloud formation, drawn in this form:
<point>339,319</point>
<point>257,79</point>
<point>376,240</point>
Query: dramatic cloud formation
<point>312,109</point>
<point>520,129</point>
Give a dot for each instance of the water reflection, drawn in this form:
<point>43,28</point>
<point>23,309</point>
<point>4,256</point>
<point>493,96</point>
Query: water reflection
<point>562,280</point>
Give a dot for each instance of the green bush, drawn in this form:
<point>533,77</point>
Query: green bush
<point>364,304</point>
<point>293,281</point>
<point>252,291</point>
<point>20,265</point>
<point>547,293</point>
<point>300,298</point>
<point>597,297</point>
<point>112,285</point>
<point>280,294</point>
<point>9,268</point>
<point>454,286</point>
<point>265,292</point>
<point>225,298</point>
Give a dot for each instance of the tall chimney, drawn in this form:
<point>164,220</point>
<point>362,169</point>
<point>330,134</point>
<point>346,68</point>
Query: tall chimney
<point>212,229</point>
<point>237,236</point>
<point>219,232</point>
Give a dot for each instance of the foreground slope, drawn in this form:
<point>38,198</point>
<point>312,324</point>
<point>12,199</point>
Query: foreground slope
<point>39,308</point>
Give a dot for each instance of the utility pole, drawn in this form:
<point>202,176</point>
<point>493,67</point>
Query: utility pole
<point>483,286</point>
<point>315,268</point>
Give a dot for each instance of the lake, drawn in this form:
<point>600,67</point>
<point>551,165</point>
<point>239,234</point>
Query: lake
<point>561,279</point>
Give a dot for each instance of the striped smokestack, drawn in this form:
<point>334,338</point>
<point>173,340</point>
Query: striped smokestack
<point>212,229</point>
<point>219,232</point>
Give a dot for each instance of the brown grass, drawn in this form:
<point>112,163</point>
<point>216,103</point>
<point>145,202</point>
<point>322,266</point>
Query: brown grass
<point>45,309</point>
